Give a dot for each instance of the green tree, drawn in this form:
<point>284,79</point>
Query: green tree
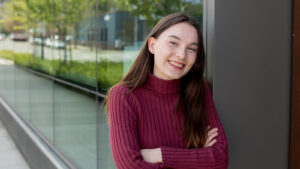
<point>59,16</point>
<point>14,16</point>
<point>156,9</point>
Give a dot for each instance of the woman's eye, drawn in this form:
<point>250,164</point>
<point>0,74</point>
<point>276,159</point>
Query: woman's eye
<point>172,43</point>
<point>192,49</point>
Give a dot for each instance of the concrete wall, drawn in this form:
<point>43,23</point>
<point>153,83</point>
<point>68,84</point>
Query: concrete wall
<point>252,80</point>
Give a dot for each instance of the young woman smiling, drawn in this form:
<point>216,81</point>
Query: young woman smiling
<point>162,114</point>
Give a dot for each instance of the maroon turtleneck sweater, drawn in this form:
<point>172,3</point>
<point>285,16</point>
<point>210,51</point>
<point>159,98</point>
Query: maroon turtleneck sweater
<point>144,119</point>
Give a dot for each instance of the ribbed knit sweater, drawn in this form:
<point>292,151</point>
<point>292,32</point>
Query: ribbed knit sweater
<point>144,119</point>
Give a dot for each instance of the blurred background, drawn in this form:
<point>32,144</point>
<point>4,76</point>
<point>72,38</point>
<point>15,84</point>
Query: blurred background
<point>58,58</point>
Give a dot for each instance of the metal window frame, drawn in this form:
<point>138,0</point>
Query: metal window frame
<point>209,37</point>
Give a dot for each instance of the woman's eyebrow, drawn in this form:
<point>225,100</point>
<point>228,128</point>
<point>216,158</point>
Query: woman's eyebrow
<point>176,37</point>
<point>173,36</point>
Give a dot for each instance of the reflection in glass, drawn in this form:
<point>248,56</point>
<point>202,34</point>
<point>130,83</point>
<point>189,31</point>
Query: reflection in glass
<point>7,78</point>
<point>41,104</point>
<point>75,126</point>
<point>89,43</point>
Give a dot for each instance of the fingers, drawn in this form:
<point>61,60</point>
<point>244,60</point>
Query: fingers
<point>212,133</point>
<point>211,143</point>
<point>208,127</point>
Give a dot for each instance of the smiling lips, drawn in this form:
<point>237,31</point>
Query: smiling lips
<point>176,65</point>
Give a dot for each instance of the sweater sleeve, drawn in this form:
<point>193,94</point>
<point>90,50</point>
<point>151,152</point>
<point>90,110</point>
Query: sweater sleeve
<point>213,157</point>
<point>123,129</point>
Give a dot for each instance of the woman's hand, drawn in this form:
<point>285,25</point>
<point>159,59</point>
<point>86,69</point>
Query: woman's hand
<point>152,155</point>
<point>212,133</point>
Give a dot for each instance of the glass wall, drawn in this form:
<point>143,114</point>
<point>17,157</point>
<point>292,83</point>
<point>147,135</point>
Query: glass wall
<point>58,58</point>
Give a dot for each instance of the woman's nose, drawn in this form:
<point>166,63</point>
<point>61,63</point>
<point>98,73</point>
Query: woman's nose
<point>181,53</point>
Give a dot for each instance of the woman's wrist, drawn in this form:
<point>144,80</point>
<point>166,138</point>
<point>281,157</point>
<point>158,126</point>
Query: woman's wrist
<point>159,155</point>
<point>152,155</point>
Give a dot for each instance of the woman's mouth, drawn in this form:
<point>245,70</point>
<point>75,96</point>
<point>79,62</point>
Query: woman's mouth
<point>176,65</point>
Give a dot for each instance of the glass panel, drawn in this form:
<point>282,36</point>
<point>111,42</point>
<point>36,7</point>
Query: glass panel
<point>33,94</point>
<point>6,53</point>
<point>22,57</point>
<point>75,126</point>
<point>105,159</point>
<point>41,88</point>
<point>75,61</point>
<point>7,77</point>
<point>41,105</point>
<point>22,95</point>
<point>72,41</point>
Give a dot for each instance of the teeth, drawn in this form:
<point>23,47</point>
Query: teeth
<point>176,64</point>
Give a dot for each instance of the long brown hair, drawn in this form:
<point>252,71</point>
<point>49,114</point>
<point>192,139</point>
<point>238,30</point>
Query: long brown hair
<point>192,89</point>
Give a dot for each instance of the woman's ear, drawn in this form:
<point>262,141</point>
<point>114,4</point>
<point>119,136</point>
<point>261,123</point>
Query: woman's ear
<point>151,43</point>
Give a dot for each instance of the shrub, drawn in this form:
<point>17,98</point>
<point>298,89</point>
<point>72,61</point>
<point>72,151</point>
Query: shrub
<point>82,73</point>
<point>7,54</point>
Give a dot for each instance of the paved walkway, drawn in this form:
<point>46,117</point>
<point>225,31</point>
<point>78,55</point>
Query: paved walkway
<point>10,157</point>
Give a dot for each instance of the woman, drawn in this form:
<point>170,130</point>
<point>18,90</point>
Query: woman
<point>161,114</point>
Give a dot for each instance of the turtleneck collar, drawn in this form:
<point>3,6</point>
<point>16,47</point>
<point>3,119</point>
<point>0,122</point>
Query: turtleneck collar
<point>162,86</point>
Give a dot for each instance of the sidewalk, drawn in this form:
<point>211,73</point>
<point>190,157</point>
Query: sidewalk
<point>10,157</point>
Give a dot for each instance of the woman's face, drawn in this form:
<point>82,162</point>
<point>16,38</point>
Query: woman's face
<point>175,51</point>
